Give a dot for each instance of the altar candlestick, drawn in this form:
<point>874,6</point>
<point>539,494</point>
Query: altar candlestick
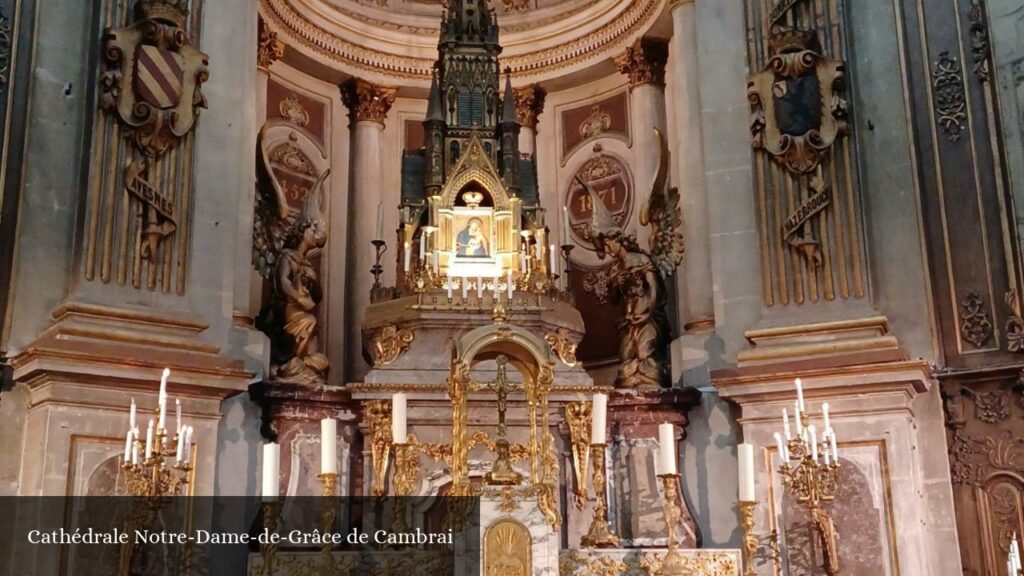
<point>271,471</point>
<point>785,423</point>
<point>128,446</point>
<point>800,394</point>
<point>399,424</point>
<point>329,446</point>
<point>149,439</point>
<point>667,449</point>
<point>599,419</point>
<point>745,453</point>
<point>408,257</point>
<point>828,424</point>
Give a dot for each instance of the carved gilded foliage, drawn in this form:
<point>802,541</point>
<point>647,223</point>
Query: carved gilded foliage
<point>578,419</point>
<point>390,343</point>
<point>643,62</point>
<point>367,101</point>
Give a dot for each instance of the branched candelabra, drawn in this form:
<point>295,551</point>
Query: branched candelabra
<point>810,472</point>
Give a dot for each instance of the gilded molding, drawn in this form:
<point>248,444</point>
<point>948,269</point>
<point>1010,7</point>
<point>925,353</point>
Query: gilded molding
<point>529,105</point>
<point>367,101</point>
<point>644,62</point>
<point>609,563</point>
<point>269,48</point>
<point>578,420</point>
<point>563,346</point>
<point>390,343</point>
<point>301,32</point>
<point>378,420</point>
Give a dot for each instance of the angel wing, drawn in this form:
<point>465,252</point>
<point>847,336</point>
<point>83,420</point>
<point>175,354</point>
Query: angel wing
<point>662,213</point>
<point>273,218</point>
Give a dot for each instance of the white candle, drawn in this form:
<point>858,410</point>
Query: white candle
<point>667,448</point>
<point>177,416</point>
<point>565,226</point>
<point>539,249</point>
<point>437,261</point>
<point>423,245</point>
<point>180,451</point>
<point>408,257</point>
<point>464,284</point>
<point>835,452</point>
<point>187,448</point>
<point>131,416</point>
<point>128,447</point>
<point>1010,567</point>
<point>779,444</point>
<point>599,419</point>
<point>399,424</point>
<point>745,453</point>
<point>785,423</point>
<point>448,285</point>
<point>271,471</point>
<point>479,287</point>
<point>511,287</point>
<point>828,457</point>
<point>149,439</point>
<point>800,394</point>
<point>814,441</point>
<point>796,417</point>
<point>329,446</point>
<point>135,454</point>
<point>380,221</point>
<point>824,412</point>
<point>554,259</point>
<point>522,261</point>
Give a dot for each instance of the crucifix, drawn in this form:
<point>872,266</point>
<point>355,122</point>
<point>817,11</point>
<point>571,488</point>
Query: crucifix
<point>501,472</point>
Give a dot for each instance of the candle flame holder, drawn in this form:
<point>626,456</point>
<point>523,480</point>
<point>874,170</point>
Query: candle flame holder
<point>673,564</point>
<point>154,477</point>
<point>600,534</point>
<point>813,484</point>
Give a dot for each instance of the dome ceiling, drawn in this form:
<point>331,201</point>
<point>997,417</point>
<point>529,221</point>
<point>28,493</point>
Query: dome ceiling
<point>395,41</point>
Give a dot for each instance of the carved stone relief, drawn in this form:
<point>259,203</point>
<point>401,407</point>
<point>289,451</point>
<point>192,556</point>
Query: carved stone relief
<point>950,102</point>
<point>141,182</point>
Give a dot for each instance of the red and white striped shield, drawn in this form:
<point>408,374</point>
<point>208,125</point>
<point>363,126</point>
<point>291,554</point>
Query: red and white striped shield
<point>159,75</point>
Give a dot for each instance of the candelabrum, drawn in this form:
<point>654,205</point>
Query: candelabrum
<point>328,513</point>
<point>153,477</point>
<point>600,534</point>
<point>406,471</point>
<point>749,538</point>
<point>673,564</point>
<point>814,482</point>
<point>377,291</point>
<point>268,548</point>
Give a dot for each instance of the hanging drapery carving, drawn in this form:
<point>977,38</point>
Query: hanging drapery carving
<point>806,187</point>
<point>288,236</point>
<point>638,276</point>
<point>141,183</point>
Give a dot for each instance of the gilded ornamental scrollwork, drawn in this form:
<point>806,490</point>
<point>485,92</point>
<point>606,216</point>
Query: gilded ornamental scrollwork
<point>563,345</point>
<point>577,418</point>
<point>529,105</point>
<point>367,101</point>
<point>638,563</point>
<point>389,344</point>
<point>378,420</point>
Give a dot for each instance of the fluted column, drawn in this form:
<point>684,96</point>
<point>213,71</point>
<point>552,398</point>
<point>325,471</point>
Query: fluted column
<point>696,304</point>
<point>644,64</point>
<point>529,105</point>
<point>368,106</point>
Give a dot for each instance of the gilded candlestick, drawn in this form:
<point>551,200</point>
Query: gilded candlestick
<point>600,534</point>
<point>407,470</point>
<point>749,538</point>
<point>673,564</point>
<point>328,513</point>
<point>268,549</point>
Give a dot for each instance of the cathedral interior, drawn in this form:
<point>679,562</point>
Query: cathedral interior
<point>672,287</point>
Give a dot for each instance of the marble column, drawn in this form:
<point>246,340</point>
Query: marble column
<point>644,64</point>
<point>696,304</point>
<point>529,105</point>
<point>368,106</point>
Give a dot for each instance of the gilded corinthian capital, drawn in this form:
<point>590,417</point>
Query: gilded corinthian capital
<point>366,101</point>
<point>529,105</point>
<point>644,62</point>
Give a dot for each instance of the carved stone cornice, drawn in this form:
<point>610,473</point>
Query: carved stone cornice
<point>367,101</point>
<point>644,62</point>
<point>402,54</point>
<point>269,48</point>
<point>529,105</point>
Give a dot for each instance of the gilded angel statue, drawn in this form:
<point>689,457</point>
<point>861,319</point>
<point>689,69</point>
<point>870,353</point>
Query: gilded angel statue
<point>286,243</point>
<point>638,277</point>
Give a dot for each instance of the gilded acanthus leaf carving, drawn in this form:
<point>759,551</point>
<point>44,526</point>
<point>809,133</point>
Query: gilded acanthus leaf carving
<point>390,343</point>
<point>577,418</point>
<point>563,346</point>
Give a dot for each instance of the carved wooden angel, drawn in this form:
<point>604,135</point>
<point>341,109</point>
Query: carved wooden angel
<point>286,243</point>
<point>638,276</point>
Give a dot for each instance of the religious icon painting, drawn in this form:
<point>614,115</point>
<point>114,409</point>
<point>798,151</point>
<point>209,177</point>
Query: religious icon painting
<point>473,233</point>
